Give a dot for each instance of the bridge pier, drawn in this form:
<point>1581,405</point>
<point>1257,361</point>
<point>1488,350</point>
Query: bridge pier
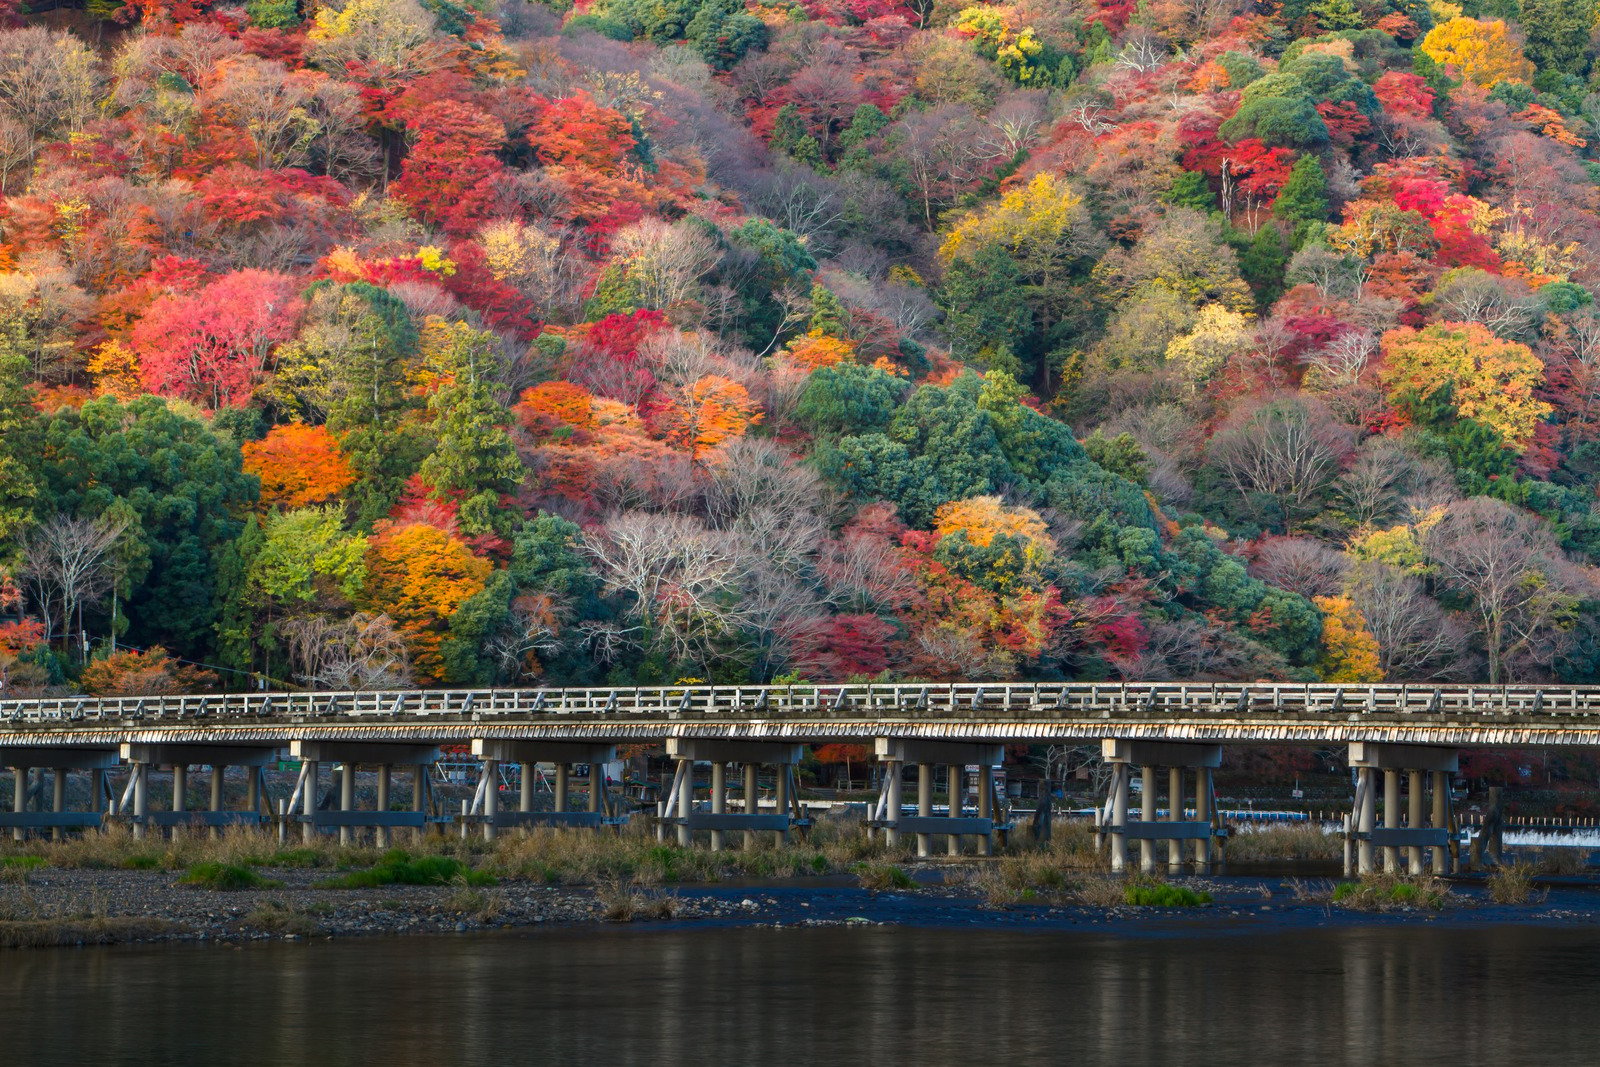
<point>678,807</point>
<point>52,815</point>
<point>1177,756</point>
<point>180,757</point>
<point>347,818</point>
<point>1426,829</point>
<point>528,754</point>
<point>895,752</point>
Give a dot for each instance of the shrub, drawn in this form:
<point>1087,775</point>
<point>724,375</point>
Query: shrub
<point>226,876</point>
<point>398,868</point>
<point>1162,895</point>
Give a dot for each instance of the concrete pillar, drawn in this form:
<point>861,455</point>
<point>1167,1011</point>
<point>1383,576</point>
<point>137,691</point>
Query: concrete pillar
<point>347,796</point>
<point>58,799</point>
<point>986,807</point>
<point>141,798</point>
<point>1414,819</point>
<point>1391,817</point>
<point>308,832</point>
<point>1147,813</point>
<point>685,801</point>
<point>719,799</point>
<point>1202,813</point>
<point>491,796</point>
<point>525,775</point>
<point>752,799</point>
<point>380,834</point>
<point>419,794</point>
<point>924,803</point>
<point>563,773</point>
<point>953,775</point>
<point>597,785</point>
<point>785,798</point>
<point>1441,819</point>
<point>180,793</point>
<point>1120,774</point>
<point>97,790</point>
<point>252,789</point>
<point>218,777</point>
<point>1175,814</point>
<point>1366,819</point>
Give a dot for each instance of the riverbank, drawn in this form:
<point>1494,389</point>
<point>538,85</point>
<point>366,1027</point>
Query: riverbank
<point>107,890</point>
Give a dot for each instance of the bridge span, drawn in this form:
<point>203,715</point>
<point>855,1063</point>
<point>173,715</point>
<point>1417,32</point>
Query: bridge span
<point>1399,736</point>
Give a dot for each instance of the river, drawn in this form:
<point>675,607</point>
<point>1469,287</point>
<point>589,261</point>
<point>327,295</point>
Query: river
<point>1379,994</point>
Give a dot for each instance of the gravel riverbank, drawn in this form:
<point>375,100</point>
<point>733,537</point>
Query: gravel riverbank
<point>66,907</point>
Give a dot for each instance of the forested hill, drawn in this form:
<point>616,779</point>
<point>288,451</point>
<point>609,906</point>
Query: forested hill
<point>386,342</point>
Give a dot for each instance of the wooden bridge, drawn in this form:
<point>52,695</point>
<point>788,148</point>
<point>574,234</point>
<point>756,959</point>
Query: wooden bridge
<point>1399,734</point>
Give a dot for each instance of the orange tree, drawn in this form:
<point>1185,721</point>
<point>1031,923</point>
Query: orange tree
<point>419,576</point>
<point>298,465</point>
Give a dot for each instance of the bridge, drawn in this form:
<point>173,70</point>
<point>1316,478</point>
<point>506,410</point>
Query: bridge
<point>1398,736</point>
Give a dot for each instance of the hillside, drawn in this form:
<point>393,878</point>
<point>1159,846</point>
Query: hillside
<point>405,342</point>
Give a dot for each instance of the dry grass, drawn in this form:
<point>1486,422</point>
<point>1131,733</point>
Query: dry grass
<point>1292,841</point>
<point>101,930</point>
<point>622,904</point>
<point>276,917</point>
<point>569,857</point>
<point>1513,884</point>
<point>484,905</point>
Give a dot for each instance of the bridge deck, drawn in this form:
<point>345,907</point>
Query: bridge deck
<point>994,712</point>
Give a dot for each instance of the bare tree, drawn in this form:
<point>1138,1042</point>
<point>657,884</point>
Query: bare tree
<point>1300,565</point>
<point>1343,359</point>
<point>942,154</point>
<point>680,582</point>
<point>1142,51</point>
<point>69,566</point>
<point>359,652</point>
<point>1014,123</point>
<point>1417,640</point>
<point>1507,565</point>
<point>665,261</point>
<point>1288,448</point>
<point>804,202</point>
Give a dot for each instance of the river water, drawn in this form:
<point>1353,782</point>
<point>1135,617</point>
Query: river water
<point>1385,994</point>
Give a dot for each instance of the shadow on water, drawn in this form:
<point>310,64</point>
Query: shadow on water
<point>1357,995</point>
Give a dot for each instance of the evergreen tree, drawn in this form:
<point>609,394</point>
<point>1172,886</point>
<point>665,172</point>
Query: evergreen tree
<point>1304,197</point>
<point>1263,262</point>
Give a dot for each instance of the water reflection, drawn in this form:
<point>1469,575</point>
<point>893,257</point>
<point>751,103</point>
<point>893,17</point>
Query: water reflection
<point>1327,996</point>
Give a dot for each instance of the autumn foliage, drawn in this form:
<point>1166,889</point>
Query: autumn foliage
<point>298,465</point>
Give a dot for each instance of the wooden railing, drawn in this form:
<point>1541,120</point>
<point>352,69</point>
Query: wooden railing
<point>962,700</point>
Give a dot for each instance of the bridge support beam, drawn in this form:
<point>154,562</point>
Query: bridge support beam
<point>1425,831</point>
<point>344,815</point>
<point>955,756</point>
<point>1123,755</point>
<point>678,807</point>
<point>52,815</point>
<point>180,757</point>
<point>528,754</point>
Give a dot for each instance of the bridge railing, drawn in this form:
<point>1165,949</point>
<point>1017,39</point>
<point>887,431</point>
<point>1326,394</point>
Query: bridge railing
<point>901,700</point>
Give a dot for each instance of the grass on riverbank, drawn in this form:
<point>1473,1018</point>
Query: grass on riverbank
<point>226,876</point>
<point>1388,892</point>
<point>552,856</point>
<point>1284,842</point>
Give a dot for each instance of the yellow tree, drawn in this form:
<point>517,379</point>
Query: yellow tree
<point>1350,652</point>
<point>1219,334</point>
<point>1484,52</point>
<point>1492,381</point>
